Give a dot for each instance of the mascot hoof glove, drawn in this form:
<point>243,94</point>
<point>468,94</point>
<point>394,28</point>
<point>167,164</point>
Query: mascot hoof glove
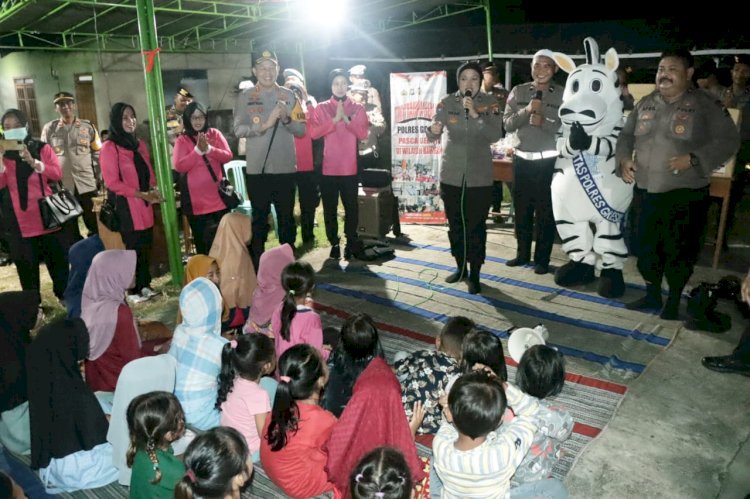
<point>574,274</point>
<point>611,283</point>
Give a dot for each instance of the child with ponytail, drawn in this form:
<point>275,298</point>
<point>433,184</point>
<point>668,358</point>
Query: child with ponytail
<point>245,395</point>
<point>155,420</point>
<point>292,449</point>
<point>217,466</point>
<point>293,321</point>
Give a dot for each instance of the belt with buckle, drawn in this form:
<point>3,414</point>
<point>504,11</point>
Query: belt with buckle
<point>533,156</point>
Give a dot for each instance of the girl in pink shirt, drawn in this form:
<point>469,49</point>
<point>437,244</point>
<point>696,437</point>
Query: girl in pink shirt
<point>341,122</point>
<point>293,322</point>
<point>244,400</point>
<point>196,150</point>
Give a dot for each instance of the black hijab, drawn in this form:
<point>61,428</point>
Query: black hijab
<point>18,312</point>
<point>128,141</point>
<point>187,125</point>
<point>23,169</point>
<point>64,414</point>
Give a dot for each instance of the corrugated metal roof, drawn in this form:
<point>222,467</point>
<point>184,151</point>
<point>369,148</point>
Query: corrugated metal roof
<point>200,25</point>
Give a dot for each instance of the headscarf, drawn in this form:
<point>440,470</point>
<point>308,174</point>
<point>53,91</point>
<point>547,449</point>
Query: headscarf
<point>230,250</point>
<point>198,266</point>
<point>23,169</point>
<point>375,405</point>
<point>18,313</point>
<point>139,376</point>
<point>80,256</point>
<point>109,278</point>
<point>200,305</point>
<point>64,415</point>
<point>187,125</point>
<point>269,292</point>
<point>129,141</point>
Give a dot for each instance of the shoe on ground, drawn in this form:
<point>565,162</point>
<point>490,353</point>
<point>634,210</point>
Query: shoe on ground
<point>541,268</point>
<point>134,299</point>
<point>726,364</point>
<point>147,293</point>
<point>645,303</point>
<point>517,262</point>
<point>335,252</point>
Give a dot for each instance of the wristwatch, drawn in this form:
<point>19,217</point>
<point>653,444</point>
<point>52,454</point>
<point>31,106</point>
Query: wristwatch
<point>694,161</point>
<point>286,120</point>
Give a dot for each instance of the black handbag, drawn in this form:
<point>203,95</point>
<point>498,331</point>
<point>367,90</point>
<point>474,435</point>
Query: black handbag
<point>231,198</point>
<point>59,207</point>
<point>108,215</point>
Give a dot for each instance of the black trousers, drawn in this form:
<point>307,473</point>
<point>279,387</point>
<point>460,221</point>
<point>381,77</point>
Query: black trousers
<point>671,232</point>
<point>467,220</point>
<point>532,202</point>
<point>140,241</point>
<point>309,199</point>
<point>204,229</point>
<point>264,189</point>
<point>331,187</point>
<point>497,195</point>
<point>86,201</point>
<point>28,252</point>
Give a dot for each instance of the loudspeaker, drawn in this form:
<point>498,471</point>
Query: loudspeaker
<point>523,338</point>
<point>375,211</point>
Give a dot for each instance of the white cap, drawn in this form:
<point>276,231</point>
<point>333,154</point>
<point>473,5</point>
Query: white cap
<point>358,70</point>
<point>246,84</point>
<point>545,53</point>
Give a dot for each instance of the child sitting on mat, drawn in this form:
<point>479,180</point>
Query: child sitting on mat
<point>541,374</point>
<point>424,374</point>
<point>472,457</point>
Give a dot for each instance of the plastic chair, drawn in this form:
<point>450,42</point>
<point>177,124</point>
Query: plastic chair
<point>234,171</point>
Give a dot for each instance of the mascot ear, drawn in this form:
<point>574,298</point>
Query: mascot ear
<point>564,62</point>
<point>611,60</point>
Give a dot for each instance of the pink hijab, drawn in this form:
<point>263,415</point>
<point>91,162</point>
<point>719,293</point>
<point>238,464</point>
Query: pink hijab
<point>269,292</point>
<point>110,276</point>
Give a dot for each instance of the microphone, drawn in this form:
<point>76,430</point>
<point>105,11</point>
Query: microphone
<point>538,94</point>
<point>466,109</point>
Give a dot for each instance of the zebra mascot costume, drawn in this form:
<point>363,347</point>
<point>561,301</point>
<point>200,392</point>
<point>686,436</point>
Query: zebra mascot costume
<point>585,189</point>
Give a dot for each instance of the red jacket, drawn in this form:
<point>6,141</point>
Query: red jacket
<point>204,196</point>
<point>114,159</point>
<point>30,221</point>
<point>340,150</point>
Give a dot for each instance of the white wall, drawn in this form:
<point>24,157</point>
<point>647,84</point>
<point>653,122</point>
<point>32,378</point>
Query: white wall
<point>118,77</point>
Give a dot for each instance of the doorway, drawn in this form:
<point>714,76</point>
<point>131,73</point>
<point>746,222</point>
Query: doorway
<point>85,100</point>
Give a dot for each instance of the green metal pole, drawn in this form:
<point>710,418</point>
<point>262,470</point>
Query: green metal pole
<point>157,125</point>
<point>488,24</point>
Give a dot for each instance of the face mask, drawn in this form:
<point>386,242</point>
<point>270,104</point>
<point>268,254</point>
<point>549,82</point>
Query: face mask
<point>16,133</point>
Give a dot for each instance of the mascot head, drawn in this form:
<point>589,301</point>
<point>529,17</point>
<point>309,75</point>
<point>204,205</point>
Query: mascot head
<point>592,91</point>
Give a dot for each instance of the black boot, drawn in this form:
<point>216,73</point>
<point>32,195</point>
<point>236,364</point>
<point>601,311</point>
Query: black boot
<point>671,309</point>
<point>307,223</point>
<point>474,286</point>
<point>518,261</point>
<point>335,250</point>
<point>652,300</point>
<point>460,272</point>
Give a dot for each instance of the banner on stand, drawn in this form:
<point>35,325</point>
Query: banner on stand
<point>416,160</point>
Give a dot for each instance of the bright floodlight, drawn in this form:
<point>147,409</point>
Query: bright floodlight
<point>325,13</point>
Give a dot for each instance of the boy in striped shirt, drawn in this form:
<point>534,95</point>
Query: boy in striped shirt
<point>473,456</point>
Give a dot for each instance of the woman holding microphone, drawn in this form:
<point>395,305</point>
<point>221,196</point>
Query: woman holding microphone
<point>472,121</point>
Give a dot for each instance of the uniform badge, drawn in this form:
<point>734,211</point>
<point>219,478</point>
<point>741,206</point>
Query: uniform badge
<point>453,120</point>
<point>58,150</point>
<point>256,120</point>
<point>679,129</point>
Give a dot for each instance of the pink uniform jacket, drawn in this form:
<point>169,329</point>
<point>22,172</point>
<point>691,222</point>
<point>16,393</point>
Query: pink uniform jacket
<point>114,158</point>
<point>340,151</point>
<point>30,221</point>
